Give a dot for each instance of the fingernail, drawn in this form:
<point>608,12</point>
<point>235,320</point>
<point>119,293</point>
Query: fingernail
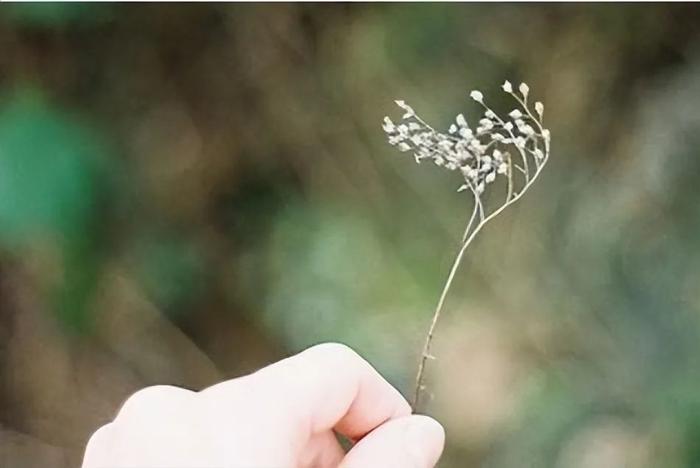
<point>425,439</point>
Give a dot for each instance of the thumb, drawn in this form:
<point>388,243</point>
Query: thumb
<point>410,442</point>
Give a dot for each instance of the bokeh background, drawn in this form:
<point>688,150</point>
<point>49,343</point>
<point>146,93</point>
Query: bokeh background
<point>190,192</point>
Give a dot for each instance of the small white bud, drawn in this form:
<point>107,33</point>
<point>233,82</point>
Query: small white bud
<point>409,110</point>
<point>539,107</point>
<point>461,121</point>
<point>524,89</point>
<point>503,168</point>
<point>539,154</point>
<point>490,177</point>
<point>445,145</point>
<point>466,133</point>
<point>507,87</point>
<point>477,96</point>
<point>462,188</point>
<point>463,155</point>
<point>508,126</point>
<point>404,146</point>
<point>388,125</point>
<point>453,128</point>
<point>515,114</point>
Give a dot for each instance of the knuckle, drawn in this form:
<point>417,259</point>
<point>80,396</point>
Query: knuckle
<point>155,399</point>
<point>340,353</point>
<point>154,393</point>
<point>97,443</point>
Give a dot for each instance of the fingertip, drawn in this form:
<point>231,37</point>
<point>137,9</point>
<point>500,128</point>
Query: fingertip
<point>413,441</point>
<point>425,440</point>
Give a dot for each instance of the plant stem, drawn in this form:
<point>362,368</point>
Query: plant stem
<point>467,240</point>
<point>438,310</point>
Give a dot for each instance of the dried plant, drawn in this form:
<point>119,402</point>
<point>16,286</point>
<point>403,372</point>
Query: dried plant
<point>515,148</point>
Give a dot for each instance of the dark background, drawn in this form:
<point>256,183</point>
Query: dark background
<point>190,192</point>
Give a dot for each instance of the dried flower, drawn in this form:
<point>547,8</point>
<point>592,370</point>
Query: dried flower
<point>478,153</point>
<point>479,156</point>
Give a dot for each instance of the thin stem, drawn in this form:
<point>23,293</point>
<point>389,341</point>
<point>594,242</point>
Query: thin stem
<point>471,219</point>
<point>420,376</point>
<point>477,205</point>
<point>524,157</point>
<point>510,178</point>
<point>481,207</point>
<point>436,316</point>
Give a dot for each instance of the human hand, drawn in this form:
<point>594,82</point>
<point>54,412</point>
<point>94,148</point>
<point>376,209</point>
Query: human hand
<point>282,416</point>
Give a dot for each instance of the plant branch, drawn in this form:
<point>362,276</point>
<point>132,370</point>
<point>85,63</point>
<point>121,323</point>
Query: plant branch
<point>476,153</point>
<point>425,355</point>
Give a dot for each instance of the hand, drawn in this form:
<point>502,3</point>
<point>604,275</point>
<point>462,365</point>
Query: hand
<point>281,416</point>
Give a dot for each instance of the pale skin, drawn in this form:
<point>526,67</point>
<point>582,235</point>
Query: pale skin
<point>283,416</point>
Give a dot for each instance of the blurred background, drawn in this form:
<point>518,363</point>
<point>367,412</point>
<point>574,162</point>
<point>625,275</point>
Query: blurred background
<point>190,192</point>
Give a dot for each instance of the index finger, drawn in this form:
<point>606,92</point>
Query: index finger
<point>328,386</point>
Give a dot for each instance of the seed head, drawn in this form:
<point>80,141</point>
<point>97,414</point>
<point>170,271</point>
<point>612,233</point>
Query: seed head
<point>481,154</point>
<point>524,89</point>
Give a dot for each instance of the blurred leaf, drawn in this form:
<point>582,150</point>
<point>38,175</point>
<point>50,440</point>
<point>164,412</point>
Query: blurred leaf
<point>47,161</point>
<point>48,188</point>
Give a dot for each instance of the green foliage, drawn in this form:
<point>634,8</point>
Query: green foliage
<point>50,169</point>
<point>47,179</point>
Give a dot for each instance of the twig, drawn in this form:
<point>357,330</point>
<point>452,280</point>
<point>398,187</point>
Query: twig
<point>480,162</point>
